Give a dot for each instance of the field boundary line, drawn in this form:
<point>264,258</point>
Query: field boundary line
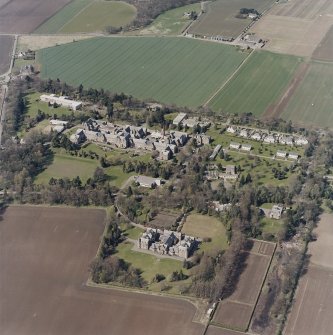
<point>261,287</point>
<point>228,80</point>
<point>197,303</point>
<point>77,14</point>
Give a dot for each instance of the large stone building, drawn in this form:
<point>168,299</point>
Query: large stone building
<point>167,242</point>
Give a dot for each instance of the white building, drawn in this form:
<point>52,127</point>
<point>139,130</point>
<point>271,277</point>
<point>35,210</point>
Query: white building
<point>256,136</point>
<point>234,145</point>
<point>293,155</point>
<point>301,141</point>
<point>179,118</point>
<point>281,154</point>
<point>231,130</point>
<point>61,101</point>
<point>246,147</point>
<point>269,139</point>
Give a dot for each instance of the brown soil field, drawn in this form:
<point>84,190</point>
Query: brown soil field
<point>213,330</point>
<point>163,221</point>
<point>6,49</point>
<point>324,50</point>
<point>220,17</point>
<point>44,257</point>
<point>292,35</point>
<point>24,16</point>
<point>312,310</point>
<point>304,9</point>
<point>231,314</point>
<point>235,312</point>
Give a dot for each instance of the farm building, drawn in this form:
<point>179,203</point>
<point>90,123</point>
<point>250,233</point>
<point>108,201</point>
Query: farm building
<point>256,136</point>
<point>78,137</point>
<point>281,154</point>
<point>301,141</point>
<point>148,182</point>
<point>286,140</point>
<point>231,130</point>
<point>269,139</point>
<point>293,155</point>
<point>276,212</point>
<point>58,122</point>
<point>61,101</point>
<point>244,133</point>
<point>246,147</point>
<point>215,152</point>
<point>234,145</point>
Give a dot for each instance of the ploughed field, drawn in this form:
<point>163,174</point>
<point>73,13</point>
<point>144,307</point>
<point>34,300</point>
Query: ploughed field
<point>235,312</point>
<point>220,17</point>
<point>24,16</point>
<point>6,49</point>
<point>312,309</point>
<point>176,70</point>
<point>44,257</point>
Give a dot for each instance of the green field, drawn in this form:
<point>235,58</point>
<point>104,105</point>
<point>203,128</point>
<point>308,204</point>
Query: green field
<point>57,21</point>
<point>168,69</point>
<point>67,166</point>
<point>172,22</point>
<point>312,101</point>
<point>100,14</point>
<point>258,84</point>
<point>88,16</point>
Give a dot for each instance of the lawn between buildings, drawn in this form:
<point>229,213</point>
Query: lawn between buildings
<point>167,69</point>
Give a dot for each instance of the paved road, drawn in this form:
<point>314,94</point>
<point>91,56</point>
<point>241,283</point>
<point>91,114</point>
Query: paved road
<point>5,89</point>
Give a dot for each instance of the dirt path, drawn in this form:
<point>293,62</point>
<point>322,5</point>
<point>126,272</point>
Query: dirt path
<point>227,81</point>
<point>275,110</point>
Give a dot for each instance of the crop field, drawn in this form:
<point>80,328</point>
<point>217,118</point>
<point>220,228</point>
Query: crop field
<point>17,16</point>
<point>295,27</point>
<point>172,22</point>
<point>214,330</point>
<point>44,257</point>
<point>6,50</point>
<point>220,19</point>
<point>258,84</point>
<point>304,9</point>
<point>324,50</point>
<point>313,303</point>
<point>312,101</point>
<point>171,70</point>
<point>235,312</point>
<point>57,21</point>
<point>100,14</point>
<point>88,16</point>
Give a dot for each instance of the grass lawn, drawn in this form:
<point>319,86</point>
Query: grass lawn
<point>117,176</point>
<point>271,226</point>
<point>202,226</point>
<point>258,84</point>
<point>132,232</point>
<point>172,22</point>
<point>149,265</point>
<point>169,69</point>
<point>34,104</point>
<point>68,166</point>
<point>100,14</point>
<point>312,102</point>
